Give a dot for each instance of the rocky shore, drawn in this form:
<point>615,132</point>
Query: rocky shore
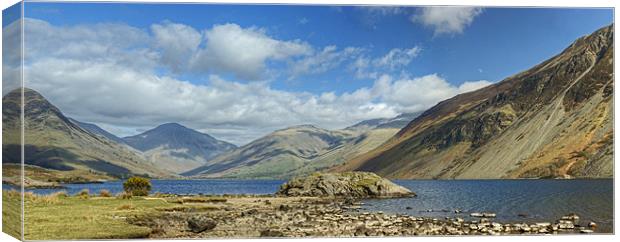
<point>326,205</point>
<point>272,216</point>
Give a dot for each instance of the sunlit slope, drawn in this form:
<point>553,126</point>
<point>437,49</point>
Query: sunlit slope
<point>554,120</point>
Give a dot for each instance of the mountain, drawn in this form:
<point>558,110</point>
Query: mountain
<point>94,129</point>
<point>52,141</point>
<point>300,150</point>
<point>553,120</point>
<point>397,122</point>
<point>278,154</point>
<point>177,148</point>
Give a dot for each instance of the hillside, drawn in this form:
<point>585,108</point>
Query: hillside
<point>52,141</point>
<point>301,150</point>
<point>553,120</point>
<point>177,148</point>
<point>94,129</point>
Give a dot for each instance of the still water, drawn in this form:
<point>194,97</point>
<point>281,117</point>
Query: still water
<point>535,200</point>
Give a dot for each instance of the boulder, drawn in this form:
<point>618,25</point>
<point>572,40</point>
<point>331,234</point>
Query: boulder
<point>346,184</point>
<point>200,223</point>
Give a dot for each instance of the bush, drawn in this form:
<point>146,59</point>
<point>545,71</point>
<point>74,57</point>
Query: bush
<point>105,193</point>
<point>137,186</point>
<point>84,193</point>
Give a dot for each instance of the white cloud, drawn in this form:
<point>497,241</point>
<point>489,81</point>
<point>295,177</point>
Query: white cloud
<point>178,43</point>
<point>383,10</point>
<point>397,58</point>
<point>321,61</point>
<point>117,83</point>
<point>243,51</point>
<point>11,57</point>
<point>446,20</point>
<point>365,67</point>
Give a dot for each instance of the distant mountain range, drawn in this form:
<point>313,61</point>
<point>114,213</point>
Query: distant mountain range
<point>300,150</point>
<point>57,142</point>
<point>177,148</point>
<point>553,120</point>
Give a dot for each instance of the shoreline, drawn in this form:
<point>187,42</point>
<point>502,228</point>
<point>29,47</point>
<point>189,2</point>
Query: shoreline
<point>161,216</point>
<point>273,216</point>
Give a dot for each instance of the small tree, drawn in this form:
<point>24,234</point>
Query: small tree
<point>137,186</point>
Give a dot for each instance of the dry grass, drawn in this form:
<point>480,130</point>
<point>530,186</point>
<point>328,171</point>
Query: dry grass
<point>105,193</point>
<point>60,217</point>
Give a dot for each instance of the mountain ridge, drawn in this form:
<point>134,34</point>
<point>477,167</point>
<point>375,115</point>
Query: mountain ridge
<point>491,132</point>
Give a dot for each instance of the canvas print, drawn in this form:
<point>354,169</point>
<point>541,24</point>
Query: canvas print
<point>150,120</point>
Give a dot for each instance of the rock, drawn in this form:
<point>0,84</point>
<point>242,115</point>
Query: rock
<point>482,215</point>
<point>571,216</point>
<point>408,208</point>
<point>566,224</point>
<point>362,230</point>
<point>458,211</point>
<point>586,231</point>
<point>346,184</point>
<point>200,223</point>
<point>271,233</point>
<point>284,207</point>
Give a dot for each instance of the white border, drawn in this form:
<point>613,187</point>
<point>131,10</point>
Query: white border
<point>523,3</point>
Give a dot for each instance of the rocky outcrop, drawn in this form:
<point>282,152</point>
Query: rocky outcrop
<point>346,184</point>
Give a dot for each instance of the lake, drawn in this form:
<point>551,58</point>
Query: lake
<point>538,200</point>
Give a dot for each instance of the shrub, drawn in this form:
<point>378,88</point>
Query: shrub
<point>84,193</point>
<point>104,193</point>
<point>137,186</point>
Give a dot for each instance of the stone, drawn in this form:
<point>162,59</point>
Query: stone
<point>346,184</point>
<point>586,231</point>
<point>200,223</point>
<point>571,216</point>
<point>271,233</point>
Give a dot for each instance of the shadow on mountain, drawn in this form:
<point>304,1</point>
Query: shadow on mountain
<point>57,159</point>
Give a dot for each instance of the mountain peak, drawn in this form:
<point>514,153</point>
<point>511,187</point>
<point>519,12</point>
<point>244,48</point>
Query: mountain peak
<point>171,125</point>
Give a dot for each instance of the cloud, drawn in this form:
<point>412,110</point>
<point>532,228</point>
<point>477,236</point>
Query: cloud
<point>177,42</point>
<point>243,51</point>
<point>446,20</point>
<point>95,75</point>
<point>365,67</point>
<point>321,61</point>
<point>397,58</point>
<point>382,10</point>
<point>371,15</point>
<point>11,57</point>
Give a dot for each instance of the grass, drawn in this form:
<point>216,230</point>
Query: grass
<point>11,213</point>
<point>61,217</point>
<point>48,175</point>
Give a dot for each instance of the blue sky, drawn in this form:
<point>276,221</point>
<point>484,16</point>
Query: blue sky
<point>380,61</point>
<point>499,42</point>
